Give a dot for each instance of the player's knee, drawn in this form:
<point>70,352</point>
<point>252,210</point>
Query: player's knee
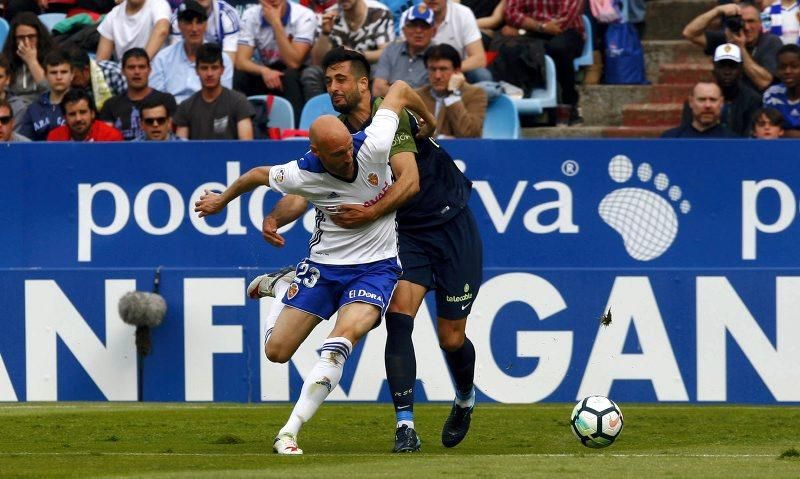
<point>452,341</point>
<point>276,354</point>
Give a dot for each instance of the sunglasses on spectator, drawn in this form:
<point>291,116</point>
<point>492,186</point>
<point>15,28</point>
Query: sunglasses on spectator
<point>159,120</point>
<point>5,120</point>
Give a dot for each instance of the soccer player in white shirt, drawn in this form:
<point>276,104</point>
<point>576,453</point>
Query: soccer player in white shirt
<point>352,271</point>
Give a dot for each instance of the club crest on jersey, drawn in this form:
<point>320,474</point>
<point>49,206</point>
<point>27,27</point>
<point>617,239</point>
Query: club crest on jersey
<point>293,289</point>
<point>372,179</point>
<point>280,175</point>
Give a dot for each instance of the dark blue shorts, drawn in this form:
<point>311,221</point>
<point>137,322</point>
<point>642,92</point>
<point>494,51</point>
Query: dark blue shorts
<point>447,258</point>
<point>321,289</point>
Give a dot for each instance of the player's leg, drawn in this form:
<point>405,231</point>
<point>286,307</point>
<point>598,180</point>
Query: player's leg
<point>399,355</point>
<point>458,273</point>
<point>312,296</point>
<point>272,285</point>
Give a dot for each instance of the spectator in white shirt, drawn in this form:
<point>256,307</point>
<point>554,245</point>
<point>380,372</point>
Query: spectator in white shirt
<point>133,23</point>
<point>280,34</point>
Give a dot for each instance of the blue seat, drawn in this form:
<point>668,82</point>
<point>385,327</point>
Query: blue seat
<point>315,107</point>
<point>586,57</point>
<point>51,19</point>
<point>541,98</point>
<point>3,32</point>
<point>281,114</point>
<point>502,119</point>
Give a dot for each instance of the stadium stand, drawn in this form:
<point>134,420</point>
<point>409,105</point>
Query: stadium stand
<point>502,119</point>
<point>4,27</point>
<point>280,112</point>
<point>316,106</point>
<point>586,57</point>
<point>51,19</point>
<point>541,98</point>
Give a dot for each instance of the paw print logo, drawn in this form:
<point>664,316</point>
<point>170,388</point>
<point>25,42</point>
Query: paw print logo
<point>646,220</point>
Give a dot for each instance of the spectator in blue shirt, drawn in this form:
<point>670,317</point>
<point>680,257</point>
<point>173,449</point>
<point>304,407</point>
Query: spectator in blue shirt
<point>785,97</point>
<point>46,113</point>
<point>174,67</point>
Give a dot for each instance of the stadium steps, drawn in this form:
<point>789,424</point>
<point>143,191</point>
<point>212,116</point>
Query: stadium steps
<point>645,111</point>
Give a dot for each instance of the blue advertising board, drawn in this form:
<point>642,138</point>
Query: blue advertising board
<point>691,244</point>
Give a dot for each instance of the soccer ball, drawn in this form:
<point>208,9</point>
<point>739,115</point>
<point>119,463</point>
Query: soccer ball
<point>596,421</point>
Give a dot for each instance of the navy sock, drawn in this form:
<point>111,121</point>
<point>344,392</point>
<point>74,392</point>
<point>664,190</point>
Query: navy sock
<point>401,364</point>
<point>462,366</point>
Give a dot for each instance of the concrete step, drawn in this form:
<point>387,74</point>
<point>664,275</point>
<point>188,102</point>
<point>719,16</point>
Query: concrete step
<point>593,132</point>
<point>669,93</point>
<point>684,73</point>
<point>652,114</point>
<point>659,52</point>
<point>602,104</point>
<point>666,18</point>
<point>634,131</point>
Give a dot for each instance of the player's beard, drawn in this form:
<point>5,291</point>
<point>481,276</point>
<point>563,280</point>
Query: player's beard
<point>351,101</point>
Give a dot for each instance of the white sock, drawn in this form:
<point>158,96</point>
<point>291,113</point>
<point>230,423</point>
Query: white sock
<point>319,383</point>
<point>400,424</point>
<point>469,401</point>
<point>275,309</point>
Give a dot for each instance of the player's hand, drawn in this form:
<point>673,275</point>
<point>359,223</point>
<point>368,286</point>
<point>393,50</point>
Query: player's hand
<point>426,128</point>
<point>273,79</point>
<point>353,216</point>
<point>269,230</point>
<point>210,203</point>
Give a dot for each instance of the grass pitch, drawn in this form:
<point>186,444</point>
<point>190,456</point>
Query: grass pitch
<point>355,440</point>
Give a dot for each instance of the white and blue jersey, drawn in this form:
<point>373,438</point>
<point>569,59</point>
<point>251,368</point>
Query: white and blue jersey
<point>307,177</point>
<point>345,265</point>
<point>777,98</point>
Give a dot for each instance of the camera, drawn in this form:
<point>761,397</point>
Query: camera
<point>734,23</point>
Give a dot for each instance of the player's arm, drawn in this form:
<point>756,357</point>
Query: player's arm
<point>405,186</point>
<point>211,203</point>
<point>286,210</point>
<point>400,96</point>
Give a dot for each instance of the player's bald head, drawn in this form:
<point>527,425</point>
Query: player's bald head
<point>331,141</point>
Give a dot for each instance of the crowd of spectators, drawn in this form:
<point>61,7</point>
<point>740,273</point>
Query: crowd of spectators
<point>192,64</point>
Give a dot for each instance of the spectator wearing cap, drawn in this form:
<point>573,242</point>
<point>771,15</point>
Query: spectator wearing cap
<point>174,69</point>
<point>785,96</point>
<point>706,104</point>
<point>740,102</point>
<point>7,132</point>
<point>459,107</point>
<point>274,48</point>
<point>215,112</point>
<point>155,121</point>
<point>403,59</point>
<point>123,111</point>
<point>742,27</point>
<point>559,25</point>
<point>82,125</point>
<point>222,28</point>
<point>456,26</point>
<point>133,23</point>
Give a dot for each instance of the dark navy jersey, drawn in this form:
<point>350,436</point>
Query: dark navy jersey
<point>443,189</point>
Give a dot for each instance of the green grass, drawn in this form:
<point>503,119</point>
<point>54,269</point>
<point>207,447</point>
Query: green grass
<point>354,440</point>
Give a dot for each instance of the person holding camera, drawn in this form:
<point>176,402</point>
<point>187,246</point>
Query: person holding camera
<point>741,26</point>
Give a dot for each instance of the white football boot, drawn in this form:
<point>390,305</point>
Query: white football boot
<point>264,285</point>
<point>286,444</point>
